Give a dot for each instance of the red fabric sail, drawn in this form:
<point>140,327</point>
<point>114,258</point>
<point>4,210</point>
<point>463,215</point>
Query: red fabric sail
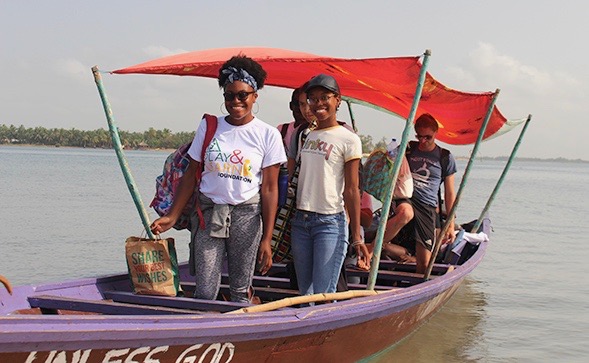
<point>386,83</point>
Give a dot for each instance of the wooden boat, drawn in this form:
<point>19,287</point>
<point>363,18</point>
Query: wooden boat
<point>101,320</point>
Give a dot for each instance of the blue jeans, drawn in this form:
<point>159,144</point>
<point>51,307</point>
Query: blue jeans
<point>319,243</point>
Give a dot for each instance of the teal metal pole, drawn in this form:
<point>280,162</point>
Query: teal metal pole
<point>452,213</point>
<point>116,143</point>
<point>351,115</point>
<point>503,174</point>
<point>397,167</point>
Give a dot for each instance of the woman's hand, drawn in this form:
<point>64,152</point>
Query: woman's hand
<point>264,257</point>
<point>364,256</point>
<point>162,224</point>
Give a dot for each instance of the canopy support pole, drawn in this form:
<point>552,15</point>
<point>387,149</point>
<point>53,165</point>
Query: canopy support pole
<point>452,213</point>
<point>116,143</point>
<point>351,116</point>
<point>396,168</point>
<point>503,174</point>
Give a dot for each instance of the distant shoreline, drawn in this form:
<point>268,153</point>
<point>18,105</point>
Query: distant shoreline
<point>497,158</point>
<point>505,158</point>
<point>83,148</point>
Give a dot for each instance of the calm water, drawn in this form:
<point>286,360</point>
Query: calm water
<point>65,213</point>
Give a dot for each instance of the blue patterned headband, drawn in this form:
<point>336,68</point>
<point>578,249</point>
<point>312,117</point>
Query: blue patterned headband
<point>239,75</point>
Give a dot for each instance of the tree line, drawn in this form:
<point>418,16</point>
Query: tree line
<point>100,138</point>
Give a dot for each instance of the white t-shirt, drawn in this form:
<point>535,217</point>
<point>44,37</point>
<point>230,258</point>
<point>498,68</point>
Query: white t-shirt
<point>321,179</point>
<point>235,158</point>
<point>404,185</point>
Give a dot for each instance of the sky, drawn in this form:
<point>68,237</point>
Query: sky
<point>531,50</point>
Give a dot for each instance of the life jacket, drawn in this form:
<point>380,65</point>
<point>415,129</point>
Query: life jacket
<point>174,168</point>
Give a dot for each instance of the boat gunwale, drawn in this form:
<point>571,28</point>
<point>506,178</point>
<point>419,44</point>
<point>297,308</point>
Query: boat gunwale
<point>44,331</point>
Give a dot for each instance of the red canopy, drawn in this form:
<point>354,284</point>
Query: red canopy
<point>385,83</point>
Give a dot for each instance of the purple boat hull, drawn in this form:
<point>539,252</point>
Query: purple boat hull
<point>319,333</point>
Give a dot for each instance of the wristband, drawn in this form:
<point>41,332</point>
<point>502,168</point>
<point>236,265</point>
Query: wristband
<point>357,243</point>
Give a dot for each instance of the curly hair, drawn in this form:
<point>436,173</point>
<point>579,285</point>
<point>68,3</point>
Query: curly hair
<point>244,62</point>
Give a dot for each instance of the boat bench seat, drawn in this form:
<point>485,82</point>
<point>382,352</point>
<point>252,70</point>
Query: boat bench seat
<point>50,304</point>
<point>263,292</point>
<point>385,265</point>
<point>389,276</point>
<point>283,282</point>
<point>175,302</point>
<point>438,268</point>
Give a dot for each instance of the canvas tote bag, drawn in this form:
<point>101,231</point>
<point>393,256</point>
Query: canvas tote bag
<point>153,266</point>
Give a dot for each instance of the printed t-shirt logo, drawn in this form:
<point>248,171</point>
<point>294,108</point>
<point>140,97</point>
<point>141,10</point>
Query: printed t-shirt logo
<point>421,176</point>
<point>232,165</point>
<point>318,147</point>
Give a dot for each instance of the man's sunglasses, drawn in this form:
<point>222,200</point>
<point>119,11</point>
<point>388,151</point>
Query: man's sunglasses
<point>427,137</point>
<point>241,95</point>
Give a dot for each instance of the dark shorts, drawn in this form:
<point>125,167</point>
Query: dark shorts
<point>395,203</point>
<point>421,229</point>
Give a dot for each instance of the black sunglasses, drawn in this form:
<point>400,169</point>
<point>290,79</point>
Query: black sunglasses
<point>427,137</point>
<point>241,95</point>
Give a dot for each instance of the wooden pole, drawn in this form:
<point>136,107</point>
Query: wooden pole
<point>452,213</point>
<point>305,299</point>
<point>503,174</point>
<point>386,204</point>
<point>116,143</point>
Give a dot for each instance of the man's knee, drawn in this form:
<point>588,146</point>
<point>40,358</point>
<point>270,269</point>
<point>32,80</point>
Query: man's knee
<point>404,213</point>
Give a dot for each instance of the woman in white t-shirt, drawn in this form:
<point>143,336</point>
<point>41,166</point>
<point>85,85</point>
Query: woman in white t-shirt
<point>238,188</point>
<point>328,178</point>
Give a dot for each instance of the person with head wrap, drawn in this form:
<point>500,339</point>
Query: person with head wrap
<point>238,190</point>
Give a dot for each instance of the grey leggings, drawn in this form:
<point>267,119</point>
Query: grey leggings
<point>245,233</point>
